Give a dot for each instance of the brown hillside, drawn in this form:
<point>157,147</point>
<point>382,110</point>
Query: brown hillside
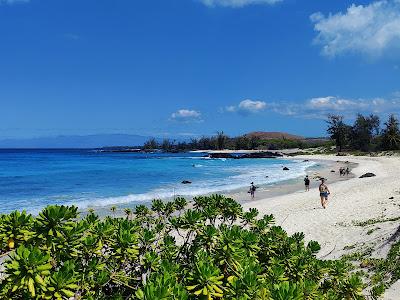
<point>274,135</point>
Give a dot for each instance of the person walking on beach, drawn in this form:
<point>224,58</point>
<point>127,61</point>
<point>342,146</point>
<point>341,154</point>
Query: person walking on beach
<point>347,171</point>
<point>252,190</point>
<point>307,183</point>
<point>323,192</point>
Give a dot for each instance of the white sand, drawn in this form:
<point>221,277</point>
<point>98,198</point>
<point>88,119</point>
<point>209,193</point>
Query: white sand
<point>352,200</point>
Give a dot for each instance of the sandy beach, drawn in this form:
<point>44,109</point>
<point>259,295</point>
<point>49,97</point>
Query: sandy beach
<point>353,200</point>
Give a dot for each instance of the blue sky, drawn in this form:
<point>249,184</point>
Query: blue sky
<point>191,67</point>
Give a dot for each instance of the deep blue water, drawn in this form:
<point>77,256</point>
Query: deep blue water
<point>32,179</point>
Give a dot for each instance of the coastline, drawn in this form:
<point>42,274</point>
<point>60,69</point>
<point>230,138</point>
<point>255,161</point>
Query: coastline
<point>322,168</point>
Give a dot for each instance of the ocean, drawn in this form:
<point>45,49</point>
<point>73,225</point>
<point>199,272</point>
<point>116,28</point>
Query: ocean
<point>32,179</point>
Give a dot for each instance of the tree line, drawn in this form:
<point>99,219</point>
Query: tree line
<point>365,134</point>
<point>222,141</point>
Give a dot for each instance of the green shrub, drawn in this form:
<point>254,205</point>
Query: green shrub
<point>214,250</point>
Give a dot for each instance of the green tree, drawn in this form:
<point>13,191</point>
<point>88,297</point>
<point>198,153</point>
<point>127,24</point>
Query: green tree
<point>167,145</point>
<point>338,130</point>
<point>221,139</point>
<point>363,131</point>
<point>151,144</point>
<point>391,134</point>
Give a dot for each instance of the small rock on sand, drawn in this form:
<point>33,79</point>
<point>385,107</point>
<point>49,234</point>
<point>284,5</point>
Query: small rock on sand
<point>366,175</point>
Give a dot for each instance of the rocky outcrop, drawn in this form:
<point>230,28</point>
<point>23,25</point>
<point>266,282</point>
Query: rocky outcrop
<point>220,155</point>
<point>264,154</point>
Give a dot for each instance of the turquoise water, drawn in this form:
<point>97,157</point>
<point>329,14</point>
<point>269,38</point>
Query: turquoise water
<point>32,179</point>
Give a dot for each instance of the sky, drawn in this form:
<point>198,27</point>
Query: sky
<point>185,68</point>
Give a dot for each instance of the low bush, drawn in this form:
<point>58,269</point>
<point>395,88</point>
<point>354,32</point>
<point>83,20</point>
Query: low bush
<point>214,250</point>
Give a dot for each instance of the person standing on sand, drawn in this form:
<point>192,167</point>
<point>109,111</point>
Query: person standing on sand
<point>252,190</point>
<point>323,192</point>
<point>347,171</point>
<point>307,183</point>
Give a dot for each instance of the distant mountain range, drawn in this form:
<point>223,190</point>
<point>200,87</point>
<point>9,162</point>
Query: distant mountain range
<point>76,141</point>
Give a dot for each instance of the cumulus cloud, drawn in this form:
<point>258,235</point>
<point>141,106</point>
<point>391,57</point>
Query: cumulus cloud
<point>321,106</point>
<point>237,3</point>
<point>186,115</point>
<point>368,29</point>
<point>247,106</point>
<point>13,1</point>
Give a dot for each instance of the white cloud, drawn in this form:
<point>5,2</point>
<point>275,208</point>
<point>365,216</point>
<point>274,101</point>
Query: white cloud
<point>247,106</point>
<point>322,106</point>
<point>186,115</point>
<point>370,29</point>
<point>231,108</point>
<point>237,3</point>
<point>13,1</point>
<point>334,103</point>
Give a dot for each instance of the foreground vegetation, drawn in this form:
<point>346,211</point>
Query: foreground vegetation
<point>211,251</point>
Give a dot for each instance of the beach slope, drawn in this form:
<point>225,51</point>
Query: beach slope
<point>354,204</point>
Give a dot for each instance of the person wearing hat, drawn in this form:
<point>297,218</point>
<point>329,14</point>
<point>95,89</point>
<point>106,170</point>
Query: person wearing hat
<point>307,183</point>
<point>252,190</point>
<point>323,193</point>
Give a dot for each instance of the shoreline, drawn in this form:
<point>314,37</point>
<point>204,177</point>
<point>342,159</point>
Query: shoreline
<point>323,168</point>
<point>265,192</point>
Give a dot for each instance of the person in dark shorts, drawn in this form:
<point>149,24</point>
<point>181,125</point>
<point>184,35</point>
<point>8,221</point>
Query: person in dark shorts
<point>323,192</point>
<point>307,183</point>
<point>252,190</point>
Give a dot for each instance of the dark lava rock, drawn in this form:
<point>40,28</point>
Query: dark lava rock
<point>285,169</point>
<point>366,175</point>
<point>220,155</point>
<point>186,182</point>
<point>264,154</point>
<point>391,198</point>
<point>333,171</point>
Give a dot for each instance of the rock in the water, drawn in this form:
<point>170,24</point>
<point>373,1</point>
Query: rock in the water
<point>333,171</point>
<point>391,198</point>
<point>285,169</point>
<point>366,175</point>
<point>186,182</point>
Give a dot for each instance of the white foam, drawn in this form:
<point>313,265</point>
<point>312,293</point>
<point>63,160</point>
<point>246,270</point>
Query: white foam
<point>242,177</point>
